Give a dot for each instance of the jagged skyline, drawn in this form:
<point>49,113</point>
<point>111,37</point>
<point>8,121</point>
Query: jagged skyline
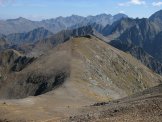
<point>45,9</point>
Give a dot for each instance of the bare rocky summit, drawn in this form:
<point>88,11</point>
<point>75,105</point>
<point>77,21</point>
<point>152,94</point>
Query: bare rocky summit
<point>73,75</point>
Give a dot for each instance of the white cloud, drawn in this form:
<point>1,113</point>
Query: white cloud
<point>122,12</point>
<point>133,2</point>
<point>123,4</point>
<point>157,4</point>
<point>35,17</point>
<point>138,2</point>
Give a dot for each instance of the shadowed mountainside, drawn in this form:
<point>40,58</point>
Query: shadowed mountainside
<point>139,37</point>
<point>29,37</point>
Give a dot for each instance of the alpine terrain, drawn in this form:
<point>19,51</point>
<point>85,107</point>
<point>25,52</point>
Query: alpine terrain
<point>103,68</point>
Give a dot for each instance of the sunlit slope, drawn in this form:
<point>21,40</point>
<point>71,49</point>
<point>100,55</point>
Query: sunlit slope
<point>103,72</point>
<point>79,72</point>
<point>95,69</point>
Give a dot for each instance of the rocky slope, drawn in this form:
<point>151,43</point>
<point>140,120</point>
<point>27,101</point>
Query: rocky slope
<point>140,54</point>
<point>157,18</point>
<point>12,60</point>
<point>41,46</point>
<point>18,25</point>
<point>79,72</point>
<point>157,47</point>
<point>118,27</point>
<point>3,43</point>
<point>139,37</point>
<point>144,106</point>
<point>29,37</point>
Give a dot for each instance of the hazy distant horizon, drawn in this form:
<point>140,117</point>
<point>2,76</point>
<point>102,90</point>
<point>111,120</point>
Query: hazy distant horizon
<point>37,10</point>
<point>70,16</point>
<point>58,17</point>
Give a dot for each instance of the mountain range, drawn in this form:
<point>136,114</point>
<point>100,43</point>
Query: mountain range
<point>139,37</point>
<point>69,68</point>
<point>21,25</point>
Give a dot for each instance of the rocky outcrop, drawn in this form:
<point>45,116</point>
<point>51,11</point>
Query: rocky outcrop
<point>44,45</point>
<point>139,37</point>
<point>29,37</point>
<point>140,54</point>
<point>12,60</point>
<point>3,44</point>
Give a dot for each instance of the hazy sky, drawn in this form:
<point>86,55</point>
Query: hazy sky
<point>42,9</point>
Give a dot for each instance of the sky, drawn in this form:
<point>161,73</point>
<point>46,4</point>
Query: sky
<point>45,9</point>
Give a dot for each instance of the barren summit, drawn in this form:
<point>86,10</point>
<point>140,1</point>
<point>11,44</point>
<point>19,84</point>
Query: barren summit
<point>79,72</point>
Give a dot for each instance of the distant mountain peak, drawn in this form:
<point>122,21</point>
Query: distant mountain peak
<point>18,19</point>
<point>74,15</point>
<point>55,25</point>
<point>29,37</point>
<point>104,14</point>
<point>157,16</point>
<point>121,15</point>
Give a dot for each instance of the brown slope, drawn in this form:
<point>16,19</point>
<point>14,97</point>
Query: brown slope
<point>144,106</point>
<point>94,72</point>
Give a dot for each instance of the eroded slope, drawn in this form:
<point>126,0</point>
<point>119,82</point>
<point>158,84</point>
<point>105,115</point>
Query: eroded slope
<point>90,71</point>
